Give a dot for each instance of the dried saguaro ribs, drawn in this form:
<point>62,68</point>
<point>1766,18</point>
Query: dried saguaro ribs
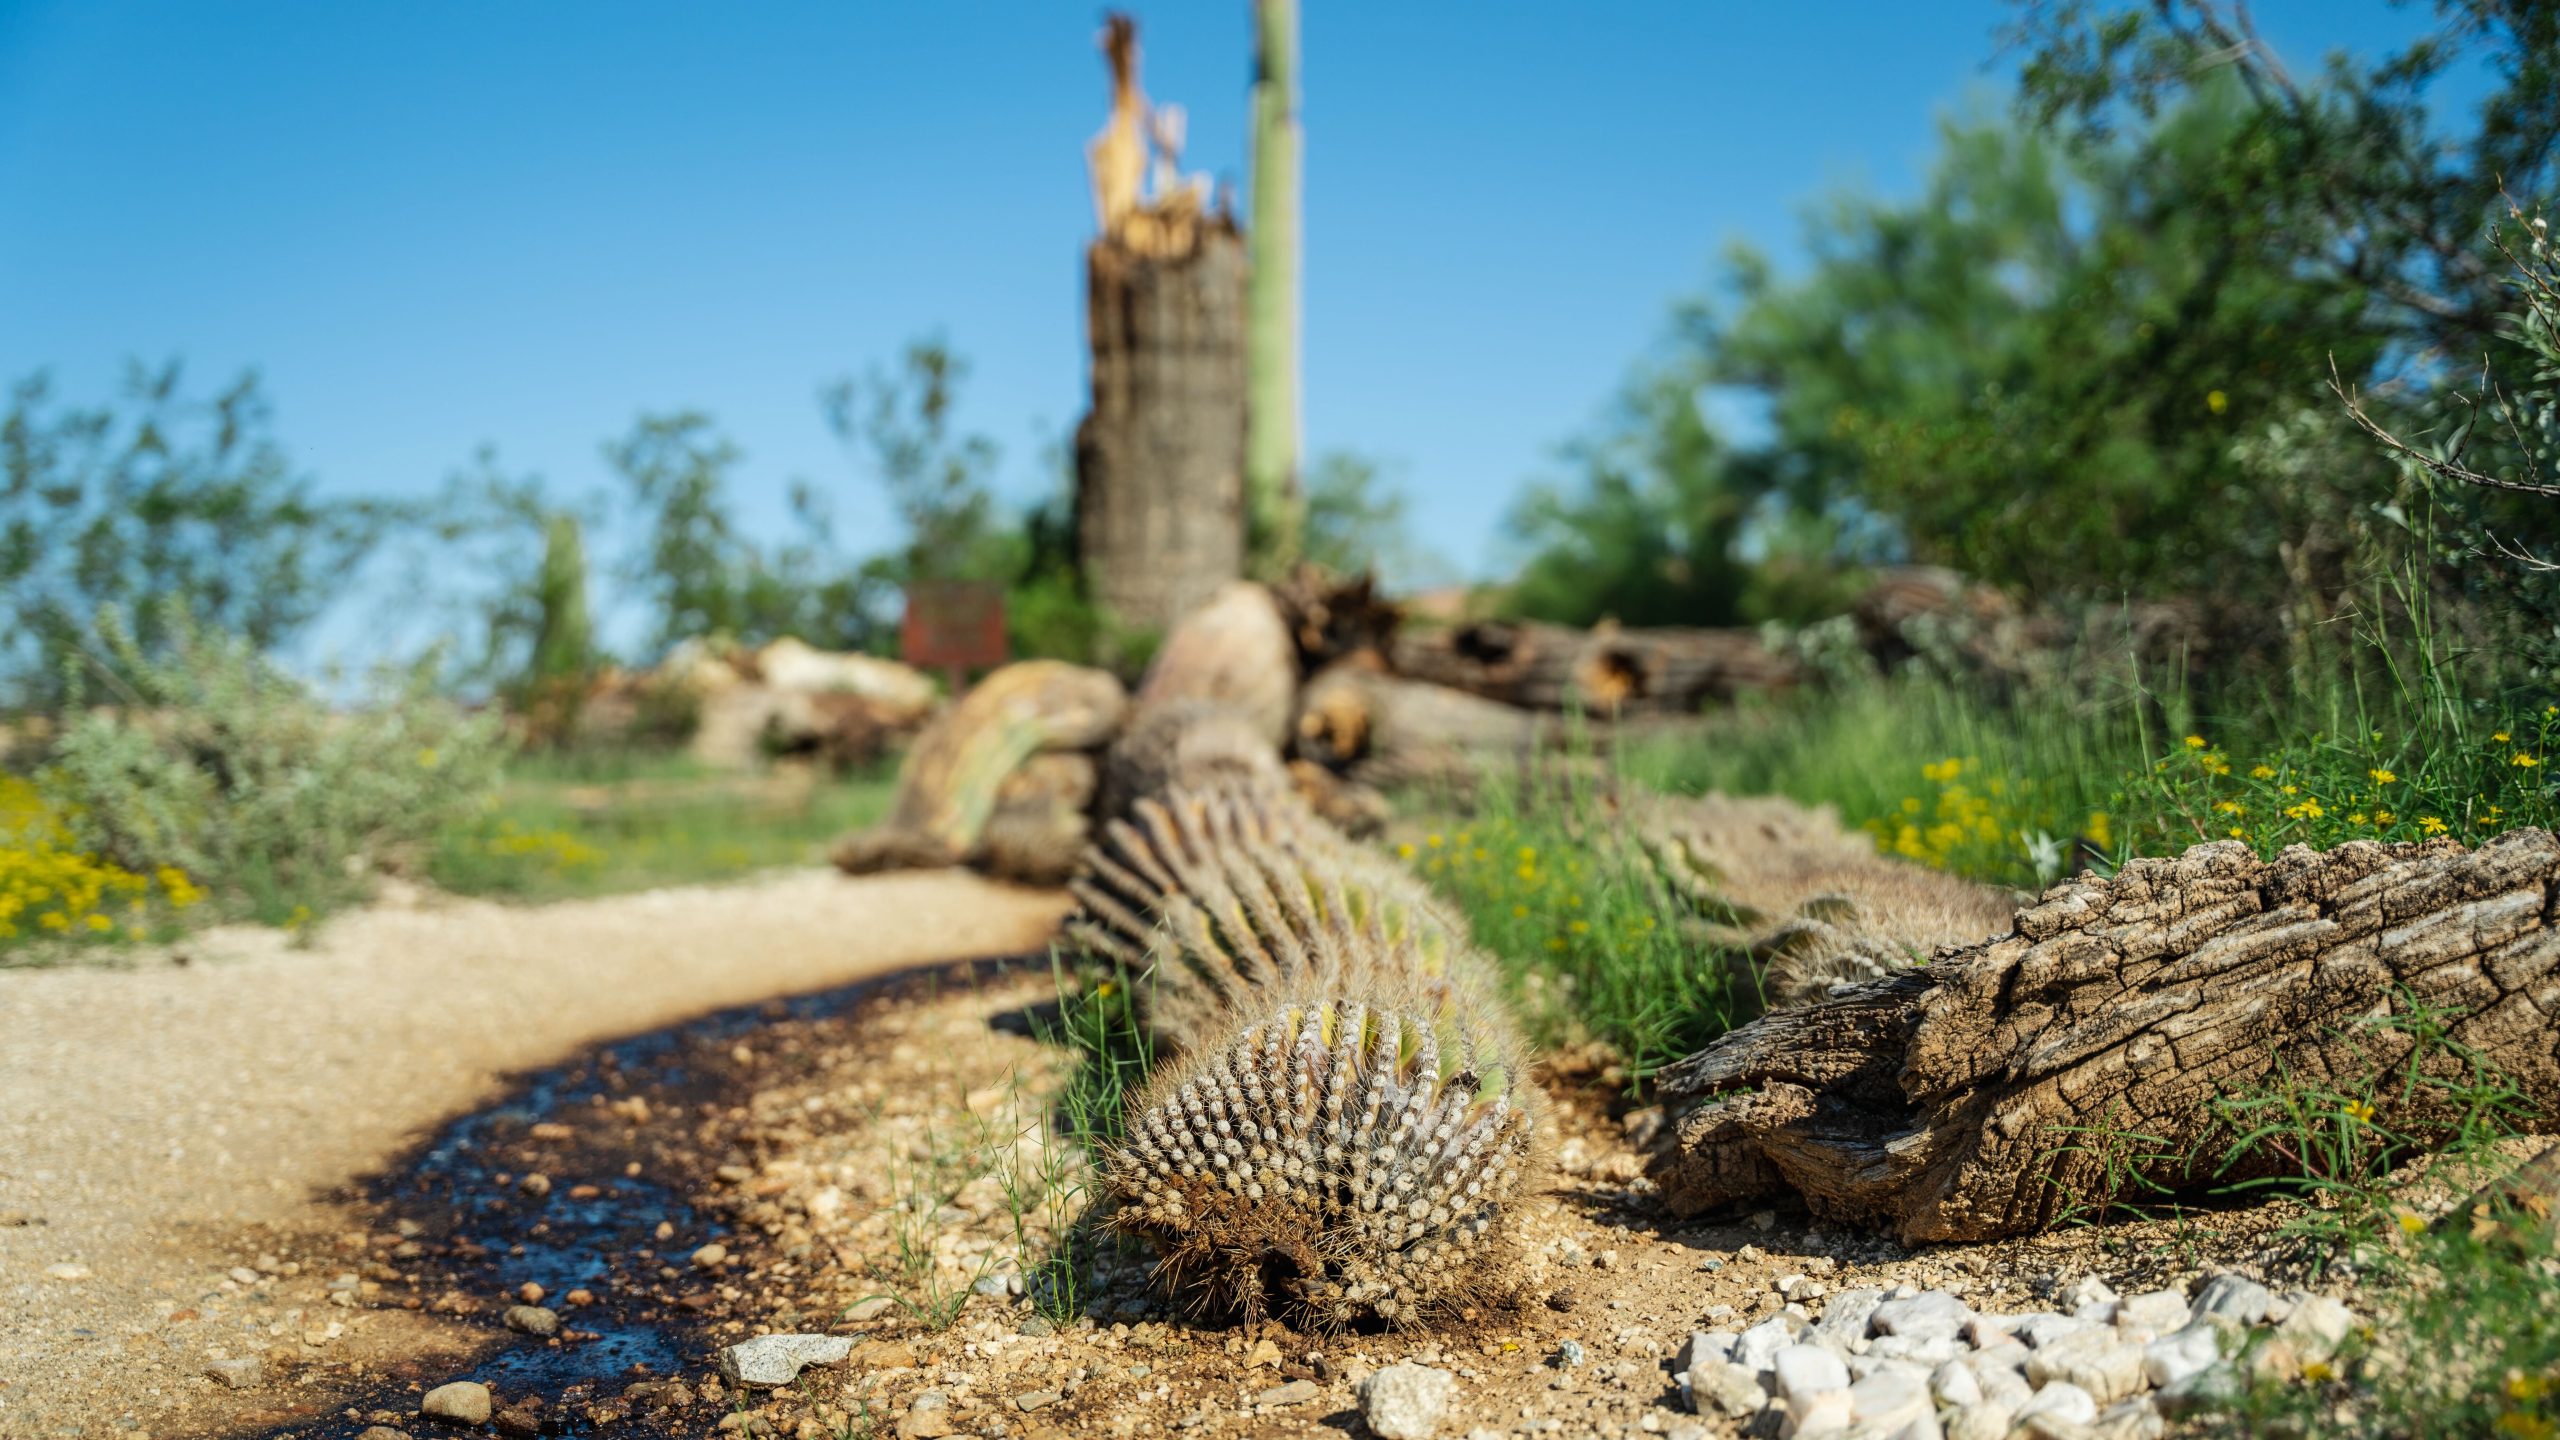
<point>1347,1127</point>
<point>1966,1100</point>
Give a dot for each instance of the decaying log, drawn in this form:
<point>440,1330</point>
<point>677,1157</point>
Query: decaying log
<point>1385,730</point>
<point>1975,1097</point>
<point>949,784</point>
<point>1234,651</point>
<point>1196,745</point>
<point>1604,670</point>
<point>1807,903</point>
<point>1333,617</point>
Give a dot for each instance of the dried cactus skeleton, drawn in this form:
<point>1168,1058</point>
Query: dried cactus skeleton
<point>1347,1127</point>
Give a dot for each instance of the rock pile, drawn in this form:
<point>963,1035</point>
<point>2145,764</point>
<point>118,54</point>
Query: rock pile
<point>1921,1364</point>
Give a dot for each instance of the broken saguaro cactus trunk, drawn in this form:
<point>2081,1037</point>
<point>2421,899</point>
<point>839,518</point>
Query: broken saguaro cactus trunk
<point>955,778</point>
<point>2078,1058</point>
<point>1347,1127</point>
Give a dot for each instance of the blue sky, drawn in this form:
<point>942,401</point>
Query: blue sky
<point>431,226</point>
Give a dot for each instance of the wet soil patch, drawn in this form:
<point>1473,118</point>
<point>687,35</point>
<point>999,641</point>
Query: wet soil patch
<point>597,1191</point>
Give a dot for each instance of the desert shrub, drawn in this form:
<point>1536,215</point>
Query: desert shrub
<point>218,765</point>
<point>54,893</point>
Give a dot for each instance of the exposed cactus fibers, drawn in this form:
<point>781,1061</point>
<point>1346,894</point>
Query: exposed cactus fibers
<point>1236,897</point>
<point>1336,1158</point>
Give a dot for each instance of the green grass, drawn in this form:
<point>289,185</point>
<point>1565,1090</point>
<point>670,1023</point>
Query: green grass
<point>568,826</point>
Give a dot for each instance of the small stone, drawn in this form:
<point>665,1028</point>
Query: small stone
<point>1954,1383</point>
<point>2095,1360</point>
<point>1569,1354</point>
<point>2275,1359</point>
<point>1929,1314</point>
<point>2317,1326</point>
<point>1989,1420</point>
<point>236,1374</point>
<point>2089,1298</point>
<point>535,1185</point>
<point>2158,1311</point>
<point>1036,1399</point>
<point>1296,1392</point>
<point>1264,1354</point>
<point>871,1309</point>
<point>2134,1419</point>
<point>1887,1400</point>
<point>1758,1346</point>
<point>68,1270</point>
<point>1820,1412</point>
<point>532,1320</point>
<point>529,1293</point>
<point>1850,1313</point>
<point>2235,1297</point>
<point>711,1256</point>
<point>464,1402</point>
<point>2063,1401</point>
<point>1702,1346</point>
<point>242,1274</point>
<point>992,1286</point>
<point>2041,1330</point>
<point>771,1360</point>
<point>1726,1388</point>
<point>1036,1327</point>
<point>581,1297</point>
<point>1806,1370</point>
<point>1406,1401</point>
<point>381,1432</point>
<point>2175,1356</point>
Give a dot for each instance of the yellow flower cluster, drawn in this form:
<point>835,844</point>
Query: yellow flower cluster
<point>1498,875</point>
<point>557,849</point>
<point>1982,827</point>
<point>49,887</point>
<point>2323,794</point>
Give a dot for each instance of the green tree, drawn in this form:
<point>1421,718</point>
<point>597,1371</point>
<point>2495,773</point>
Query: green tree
<point>160,505</point>
<point>901,425</point>
<point>1646,531</point>
<point>1353,521</point>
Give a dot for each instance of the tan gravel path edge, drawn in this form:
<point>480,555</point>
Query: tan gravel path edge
<point>146,1112</point>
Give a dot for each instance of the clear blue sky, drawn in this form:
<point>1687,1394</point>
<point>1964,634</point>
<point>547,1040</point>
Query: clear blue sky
<point>433,225</point>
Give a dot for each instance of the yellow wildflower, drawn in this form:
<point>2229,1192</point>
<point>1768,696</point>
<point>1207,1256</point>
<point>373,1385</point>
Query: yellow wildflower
<point>2216,401</point>
<point>2411,1223</point>
<point>2383,777</point>
<point>2359,1111</point>
<point>2195,742</point>
<point>2431,825</point>
<point>2262,772</point>
<point>2523,761</point>
<point>2500,737</point>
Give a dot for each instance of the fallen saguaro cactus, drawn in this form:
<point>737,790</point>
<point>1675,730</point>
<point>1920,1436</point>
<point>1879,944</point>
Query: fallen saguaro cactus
<point>1234,651</point>
<point>1807,903</point>
<point>1347,1126</point>
<point>1971,1098</point>
<point>1604,669</point>
<point>956,776</point>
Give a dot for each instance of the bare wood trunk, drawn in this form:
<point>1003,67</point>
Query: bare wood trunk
<point>1333,617</point>
<point>954,776</point>
<point>1382,729</point>
<point>1970,1099</point>
<point>1234,652</point>
<point>1556,667</point>
<point>1160,455</point>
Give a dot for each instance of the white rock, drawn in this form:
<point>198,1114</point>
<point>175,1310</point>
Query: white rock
<point>1758,1346</point>
<point>1406,1401</point>
<point>776,1359</point>
<point>465,1402</point>
<point>2134,1419</point>
<point>1822,1412</point>
<point>2043,1330</point>
<point>2236,1297</point>
<point>1724,1388</point>
<point>1988,1330</point>
<point>235,1374</point>
<point>1927,1352</point>
<point>2095,1360</point>
<point>1806,1370</point>
<point>2089,1298</point>
<point>1888,1400</point>
<point>2159,1311</point>
<point>1703,1345</point>
<point>2317,1326</point>
<point>1987,1421</point>
<point>2175,1356</point>
<point>1849,1313</point>
<point>1931,1313</point>
<point>2005,1388</point>
<point>2007,1355</point>
<point>1954,1383</point>
<point>2063,1401</point>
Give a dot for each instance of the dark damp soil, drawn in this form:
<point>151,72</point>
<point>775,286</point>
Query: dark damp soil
<point>590,1181</point>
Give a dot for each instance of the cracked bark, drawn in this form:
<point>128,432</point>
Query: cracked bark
<point>1959,1100</point>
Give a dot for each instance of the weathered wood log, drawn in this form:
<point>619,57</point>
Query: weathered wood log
<point>1235,652</point>
<point>1801,903</point>
<point>1604,670</point>
<point>2078,1057</point>
<point>1043,817</point>
<point>1384,730</point>
<point>952,776</point>
<point>1333,617</point>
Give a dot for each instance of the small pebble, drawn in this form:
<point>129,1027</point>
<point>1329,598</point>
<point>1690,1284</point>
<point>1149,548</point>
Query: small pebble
<point>1296,1392</point>
<point>236,1374</point>
<point>465,1402</point>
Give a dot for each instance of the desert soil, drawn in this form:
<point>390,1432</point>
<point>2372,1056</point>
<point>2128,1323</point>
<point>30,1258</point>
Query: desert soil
<point>171,1128</point>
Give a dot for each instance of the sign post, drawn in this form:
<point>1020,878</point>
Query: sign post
<point>954,626</point>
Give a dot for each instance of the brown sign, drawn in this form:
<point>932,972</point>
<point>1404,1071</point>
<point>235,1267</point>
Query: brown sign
<point>954,625</point>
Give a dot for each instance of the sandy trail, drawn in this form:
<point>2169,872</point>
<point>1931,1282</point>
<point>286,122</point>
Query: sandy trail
<point>150,1115</point>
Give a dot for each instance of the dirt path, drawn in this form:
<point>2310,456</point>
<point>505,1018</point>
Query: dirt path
<point>151,1117</point>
